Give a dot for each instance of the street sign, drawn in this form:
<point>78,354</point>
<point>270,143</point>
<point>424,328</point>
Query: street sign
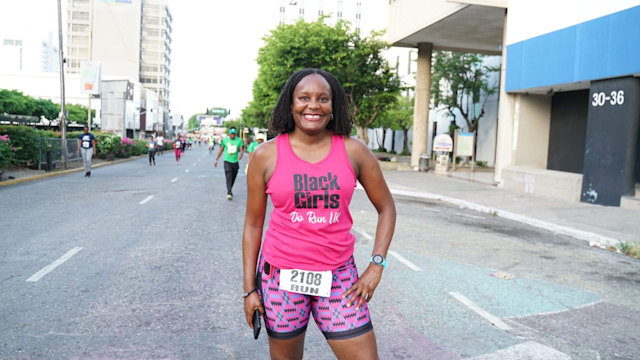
<point>443,142</point>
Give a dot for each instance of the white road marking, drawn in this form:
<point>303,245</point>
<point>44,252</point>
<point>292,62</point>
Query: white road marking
<point>400,258</point>
<point>363,233</point>
<point>186,171</point>
<point>469,216</point>
<point>558,311</point>
<point>480,311</point>
<point>47,269</point>
<point>146,200</point>
<point>174,180</point>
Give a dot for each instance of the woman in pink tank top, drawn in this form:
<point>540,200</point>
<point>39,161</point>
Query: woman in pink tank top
<point>309,171</point>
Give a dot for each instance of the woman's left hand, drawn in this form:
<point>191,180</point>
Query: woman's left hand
<point>363,289</point>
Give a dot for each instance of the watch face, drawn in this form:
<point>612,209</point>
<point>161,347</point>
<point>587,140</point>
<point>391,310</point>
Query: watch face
<point>377,259</point>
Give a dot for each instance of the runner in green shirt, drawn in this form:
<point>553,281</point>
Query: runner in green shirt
<point>260,138</point>
<point>232,148</point>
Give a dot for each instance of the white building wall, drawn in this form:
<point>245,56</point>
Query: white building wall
<point>528,19</point>
<point>11,55</point>
<point>50,55</point>
<point>116,37</point>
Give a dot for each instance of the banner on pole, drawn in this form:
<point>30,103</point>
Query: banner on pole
<point>90,77</point>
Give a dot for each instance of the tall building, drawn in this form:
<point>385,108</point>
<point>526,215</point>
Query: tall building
<point>130,38</point>
<point>155,52</point>
<point>50,56</point>
<point>11,55</point>
<point>296,10</point>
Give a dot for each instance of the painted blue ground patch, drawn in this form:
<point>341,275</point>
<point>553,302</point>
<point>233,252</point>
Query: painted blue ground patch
<point>423,300</point>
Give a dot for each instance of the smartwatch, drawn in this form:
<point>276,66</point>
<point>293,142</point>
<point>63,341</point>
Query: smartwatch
<point>378,259</point>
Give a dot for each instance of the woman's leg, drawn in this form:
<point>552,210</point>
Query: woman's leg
<point>290,349</point>
<point>360,347</point>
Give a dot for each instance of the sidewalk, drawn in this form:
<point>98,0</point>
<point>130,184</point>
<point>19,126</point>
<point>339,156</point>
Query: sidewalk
<point>594,224</point>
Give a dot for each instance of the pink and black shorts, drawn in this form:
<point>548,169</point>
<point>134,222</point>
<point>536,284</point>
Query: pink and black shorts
<point>287,313</point>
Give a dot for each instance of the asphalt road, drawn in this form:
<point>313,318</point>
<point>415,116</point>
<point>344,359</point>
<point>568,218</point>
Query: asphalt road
<point>141,262</point>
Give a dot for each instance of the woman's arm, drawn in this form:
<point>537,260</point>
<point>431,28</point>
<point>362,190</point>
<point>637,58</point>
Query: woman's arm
<point>253,224</point>
<point>370,176</point>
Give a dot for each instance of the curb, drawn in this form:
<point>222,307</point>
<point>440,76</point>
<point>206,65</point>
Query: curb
<point>65,172</point>
<point>593,239</point>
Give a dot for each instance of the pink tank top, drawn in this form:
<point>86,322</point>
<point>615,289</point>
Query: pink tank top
<point>309,227</point>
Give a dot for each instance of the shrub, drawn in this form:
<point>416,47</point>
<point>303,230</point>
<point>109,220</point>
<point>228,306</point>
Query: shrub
<point>7,151</point>
<point>107,145</point>
<point>140,147</point>
<point>26,140</point>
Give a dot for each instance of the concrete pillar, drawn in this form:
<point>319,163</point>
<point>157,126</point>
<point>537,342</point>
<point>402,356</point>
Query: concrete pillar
<point>422,100</point>
<point>506,106</point>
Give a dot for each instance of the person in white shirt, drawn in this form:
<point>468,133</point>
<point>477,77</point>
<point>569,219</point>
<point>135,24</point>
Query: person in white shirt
<point>160,142</point>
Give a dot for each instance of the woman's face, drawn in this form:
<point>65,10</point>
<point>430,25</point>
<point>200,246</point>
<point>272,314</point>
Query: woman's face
<point>311,107</point>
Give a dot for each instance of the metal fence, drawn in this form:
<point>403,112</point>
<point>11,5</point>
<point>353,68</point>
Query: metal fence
<point>50,150</point>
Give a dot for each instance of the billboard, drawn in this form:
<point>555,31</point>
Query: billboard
<point>209,120</point>
<point>90,77</point>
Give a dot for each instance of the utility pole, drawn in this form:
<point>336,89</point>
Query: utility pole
<point>63,113</point>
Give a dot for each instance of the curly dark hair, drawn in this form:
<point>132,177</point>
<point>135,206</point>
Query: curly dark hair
<point>281,120</point>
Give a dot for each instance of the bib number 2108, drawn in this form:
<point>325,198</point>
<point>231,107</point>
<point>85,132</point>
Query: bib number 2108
<point>316,283</point>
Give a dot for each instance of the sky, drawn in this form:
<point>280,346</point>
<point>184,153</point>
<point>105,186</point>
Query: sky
<point>215,43</point>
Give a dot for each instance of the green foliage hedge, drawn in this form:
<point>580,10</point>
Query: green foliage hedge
<point>27,139</point>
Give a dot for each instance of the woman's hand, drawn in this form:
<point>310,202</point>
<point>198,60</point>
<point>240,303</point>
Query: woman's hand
<point>363,289</point>
<point>251,303</point>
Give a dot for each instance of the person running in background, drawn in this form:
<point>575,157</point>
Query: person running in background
<point>86,145</point>
<point>212,144</point>
<point>232,147</point>
<point>160,141</point>
<point>260,138</point>
<point>307,268</point>
<point>177,149</point>
<point>183,143</point>
<point>151,149</point>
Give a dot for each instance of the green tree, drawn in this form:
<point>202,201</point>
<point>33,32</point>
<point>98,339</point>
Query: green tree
<point>78,113</point>
<point>461,81</point>
<point>399,116</point>
<point>46,108</point>
<point>193,124</point>
<point>356,62</point>
<point>16,103</point>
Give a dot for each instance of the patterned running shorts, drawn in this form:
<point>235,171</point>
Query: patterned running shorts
<point>287,313</point>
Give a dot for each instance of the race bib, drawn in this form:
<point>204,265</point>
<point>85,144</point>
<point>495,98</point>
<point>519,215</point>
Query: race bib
<point>86,144</point>
<point>317,283</point>
<point>232,149</point>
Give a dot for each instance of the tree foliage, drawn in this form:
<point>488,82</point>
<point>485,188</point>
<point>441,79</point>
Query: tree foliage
<point>399,116</point>
<point>78,113</point>
<point>356,61</point>
<point>461,81</point>
<point>193,124</point>
<point>16,103</point>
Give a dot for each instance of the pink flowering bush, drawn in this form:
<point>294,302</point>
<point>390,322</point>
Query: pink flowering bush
<point>7,151</point>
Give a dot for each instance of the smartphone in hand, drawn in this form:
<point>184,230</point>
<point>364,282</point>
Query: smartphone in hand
<point>257,325</point>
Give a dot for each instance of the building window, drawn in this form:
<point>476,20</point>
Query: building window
<point>79,28</point>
